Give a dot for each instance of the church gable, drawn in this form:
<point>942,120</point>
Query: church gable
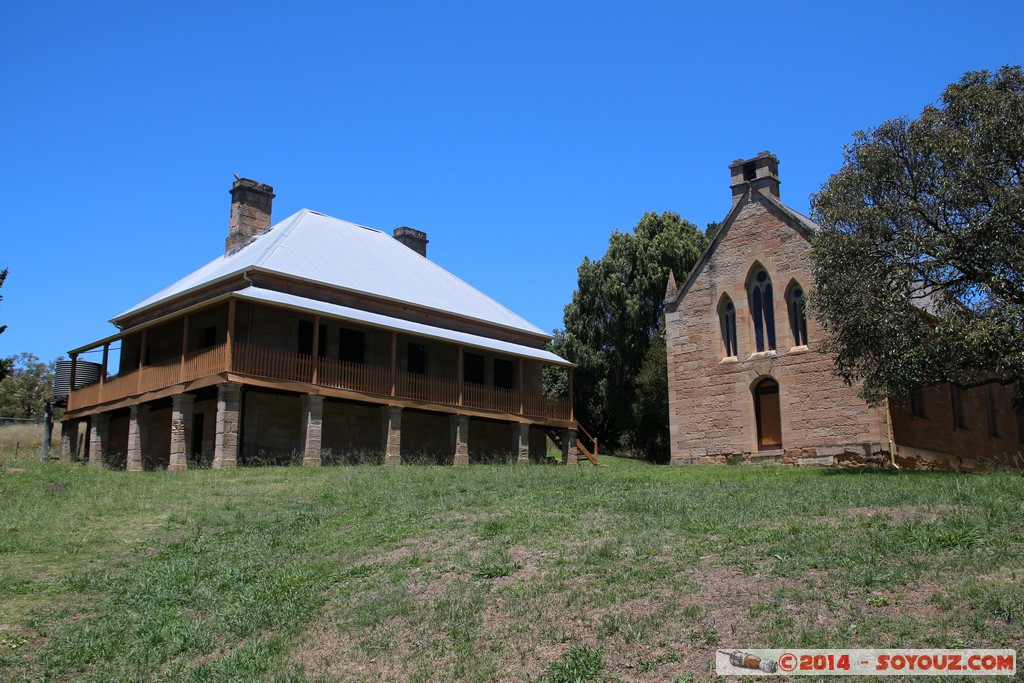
<point>743,377</point>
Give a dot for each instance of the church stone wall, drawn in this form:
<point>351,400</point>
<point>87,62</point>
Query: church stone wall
<point>711,402</point>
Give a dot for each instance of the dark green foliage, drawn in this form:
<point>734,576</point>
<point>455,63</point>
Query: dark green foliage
<point>650,411</point>
<point>928,215</point>
<point>26,387</point>
<point>615,313</point>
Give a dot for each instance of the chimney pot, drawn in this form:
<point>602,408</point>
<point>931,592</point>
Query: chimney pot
<point>414,239</point>
<point>250,212</point>
<point>760,172</point>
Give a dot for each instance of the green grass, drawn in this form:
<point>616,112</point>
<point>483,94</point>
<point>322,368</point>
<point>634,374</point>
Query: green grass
<point>531,573</point>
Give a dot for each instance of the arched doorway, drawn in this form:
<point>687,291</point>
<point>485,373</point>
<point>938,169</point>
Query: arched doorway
<point>768,415</point>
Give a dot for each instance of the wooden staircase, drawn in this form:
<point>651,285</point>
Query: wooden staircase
<point>581,433</point>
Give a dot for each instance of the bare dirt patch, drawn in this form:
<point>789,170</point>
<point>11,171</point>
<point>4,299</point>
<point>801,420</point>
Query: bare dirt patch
<point>525,626</point>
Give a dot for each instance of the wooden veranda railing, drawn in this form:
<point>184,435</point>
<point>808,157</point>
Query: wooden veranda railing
<point>264,362</point>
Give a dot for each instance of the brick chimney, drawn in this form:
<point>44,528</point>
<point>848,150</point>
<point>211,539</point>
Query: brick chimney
<point>761,172</point>
<point>250,211</point>
<point>414,239</point>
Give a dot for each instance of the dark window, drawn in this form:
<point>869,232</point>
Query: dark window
<point>352,346</point>
<point>957,399</point>
<point>416,359</point>
<point>917,403</point>
<point>305,345</point>
<point>990,406</point>
<point>768,415</point>
<point>473,368</point>
<point>504,374</point>
<point>763,311</point>
<point>797,315</point>
<point>209,337</point>
<point>727,321</point>
<point>749,171</point>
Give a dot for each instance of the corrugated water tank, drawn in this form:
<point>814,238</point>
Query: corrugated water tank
<point>86,373</point>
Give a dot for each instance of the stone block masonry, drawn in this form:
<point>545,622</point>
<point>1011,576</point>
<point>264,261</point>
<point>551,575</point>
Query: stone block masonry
<point>392,435</point>
<point>99,438</point>
<point>521,443</point>
<point>460,439</point>
<point>312,417</point>
<point>68,439</point>
<point>711,397</point>
<point>136,437</point>
<point>570,453</point>
<point>181,431</point>
<point>225,449</point>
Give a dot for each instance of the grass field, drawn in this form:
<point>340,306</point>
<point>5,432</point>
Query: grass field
<point>628,572</point>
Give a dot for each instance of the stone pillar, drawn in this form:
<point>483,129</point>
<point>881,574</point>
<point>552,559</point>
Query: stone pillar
<point>136,435</point>
<point>225,448</point>
<point>68,439</point>
<point>312,420</point>
<point>460,439</point>
<point>521,443</point>
<point>181,431</point>
<point>570,456</point>
<point>391,437</point>
<point>99,432</point>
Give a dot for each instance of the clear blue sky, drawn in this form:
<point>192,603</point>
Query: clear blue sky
<point>517,135</point>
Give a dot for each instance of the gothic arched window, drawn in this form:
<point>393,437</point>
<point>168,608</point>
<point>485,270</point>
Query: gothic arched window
<point>762,310</point>
<point>727,321</point>
<point>797,313</point>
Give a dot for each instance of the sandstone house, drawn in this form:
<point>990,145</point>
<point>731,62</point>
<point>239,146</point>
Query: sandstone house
<point>746,383</point>
<point>309,339</point>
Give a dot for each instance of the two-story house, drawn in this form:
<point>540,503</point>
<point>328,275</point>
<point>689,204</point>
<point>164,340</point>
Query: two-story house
<point>317,337</point>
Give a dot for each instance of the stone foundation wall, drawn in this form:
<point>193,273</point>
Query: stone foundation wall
<point>351,429</point>
<point>117,441</point>
<point>208,409</point>
<point>156,438</point>
<point>490,441</point>
<point>538,445</point>
<point>273,430</point>
<point>846,455</point>
<point>426,437</point>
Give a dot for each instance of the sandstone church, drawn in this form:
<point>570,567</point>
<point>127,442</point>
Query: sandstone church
<point>747,384</point>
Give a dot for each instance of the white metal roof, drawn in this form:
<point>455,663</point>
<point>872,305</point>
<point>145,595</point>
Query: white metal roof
<point>376,319</point>
<point>319,248</point>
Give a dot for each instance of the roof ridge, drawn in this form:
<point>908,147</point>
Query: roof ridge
<point>286,231</point>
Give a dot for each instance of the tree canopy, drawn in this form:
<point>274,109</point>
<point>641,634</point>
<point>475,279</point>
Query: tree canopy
<point>611,332</point>
<point>26,387</point>
<point>919,266</point>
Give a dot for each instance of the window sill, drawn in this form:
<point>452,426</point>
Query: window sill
<point>799,349</point>
<point>730,359</point>
<point>763,354</point>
